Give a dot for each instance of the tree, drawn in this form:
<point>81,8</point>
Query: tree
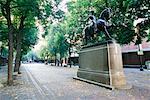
<point>77,17</point>
<point>6,12</point>
<point>17,14</point>
<point>57,43</point>
<point>24,16</point>
<point>52,47</point>
<point>54,15</point>
<point>26,39</point>
<point>62,45</point>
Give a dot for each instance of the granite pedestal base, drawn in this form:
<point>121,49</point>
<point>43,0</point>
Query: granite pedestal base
<point>101,64</point>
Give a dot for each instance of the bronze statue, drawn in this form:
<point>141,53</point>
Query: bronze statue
<point>89,30</point>
<point>96,26</point>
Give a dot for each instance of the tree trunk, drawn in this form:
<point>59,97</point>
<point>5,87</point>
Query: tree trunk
<point>19,44</point>
<point>10,56</point>
<point>61,61</point>
<point>55,59</point>
<point>69,60</point>
<point>5,8</point>
<point>18,55</point>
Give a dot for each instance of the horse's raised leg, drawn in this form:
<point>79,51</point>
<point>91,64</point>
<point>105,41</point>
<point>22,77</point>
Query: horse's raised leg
<point>108,37</point>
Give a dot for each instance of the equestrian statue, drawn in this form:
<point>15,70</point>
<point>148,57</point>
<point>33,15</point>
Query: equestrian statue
<point>95,26</point>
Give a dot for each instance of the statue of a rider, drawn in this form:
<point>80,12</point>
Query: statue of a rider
<point>95,26</point>
<point>103,24</point>
<point>92,21</point>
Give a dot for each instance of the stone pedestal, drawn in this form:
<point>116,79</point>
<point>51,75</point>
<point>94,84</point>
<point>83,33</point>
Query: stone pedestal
<point>101,64</point>
<point>116,66</point>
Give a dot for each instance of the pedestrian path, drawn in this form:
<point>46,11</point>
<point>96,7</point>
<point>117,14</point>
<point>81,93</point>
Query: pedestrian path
<point>45,82</point>
<point>3,75</point>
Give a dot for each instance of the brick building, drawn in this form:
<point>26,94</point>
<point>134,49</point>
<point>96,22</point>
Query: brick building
<point>130,54</point>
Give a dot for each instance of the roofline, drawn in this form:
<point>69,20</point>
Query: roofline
<point>135,50</point>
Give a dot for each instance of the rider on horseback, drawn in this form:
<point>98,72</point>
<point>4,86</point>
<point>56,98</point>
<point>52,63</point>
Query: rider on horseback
<point>92,21</point>
<point>102,23</point>
<point>94,26</point>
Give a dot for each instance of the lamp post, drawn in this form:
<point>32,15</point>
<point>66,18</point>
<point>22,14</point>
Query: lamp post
<point>70,54</point>
<point>137,24</point>
<point>140,54</point>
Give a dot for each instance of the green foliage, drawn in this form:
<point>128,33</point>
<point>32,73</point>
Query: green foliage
<point>4,52</point>
<point>30,56</point>
<point>124,13</point>
<point>79,11</point>
<point>3,30</point>
<point>61,44</point>
<point>45,53</point>
<point>51,14</point>
<point>24,15</point>
<point>29,39</point>
<point>57,42</point>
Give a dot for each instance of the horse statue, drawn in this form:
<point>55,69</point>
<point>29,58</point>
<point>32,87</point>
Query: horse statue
<point>91,30</point>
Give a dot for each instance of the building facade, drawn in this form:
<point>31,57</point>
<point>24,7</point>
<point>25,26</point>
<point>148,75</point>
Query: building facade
<point>131,57</point>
